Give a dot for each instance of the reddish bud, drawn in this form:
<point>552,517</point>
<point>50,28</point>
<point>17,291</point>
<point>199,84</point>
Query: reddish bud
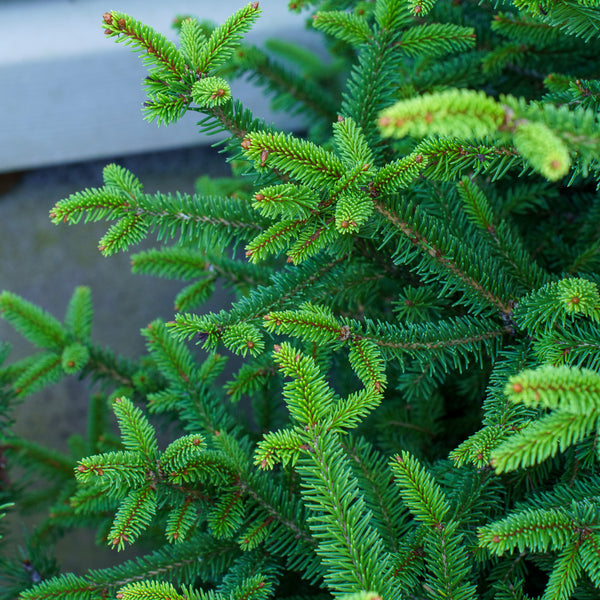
<point>259,197</point>
<point>175,536</point>
<point>108,31</point>
<point>419,158</point>
<point>344,332</point>
<point>517,388</point>
<point>340,118</point>
<point>121,23</point>
<point>276,348</point>
<point>575,300</point>
<point>71,363</point>
<point>196,441</point>
<point>120,596</point>
<point>261,584</point>
<point>255,5</point>
<point>250,344</point>
<point>107,18</point>
<point>385,121</point>
<point>263,157</point>
<point>117,400</point>
<point>246,143</point>
<point>555,164</point>
<point>496,539</point>
<point>218,94</point>
<point>417,10</point>
<point>429,117</point>
<point>344,224</point>
<point>81,468</point>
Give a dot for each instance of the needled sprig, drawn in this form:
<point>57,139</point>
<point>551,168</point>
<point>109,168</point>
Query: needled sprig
<point>140,478</point>
<point>473,115</point>
<point>442,537</point>
<point>570,394</point>
<point>348,544</point>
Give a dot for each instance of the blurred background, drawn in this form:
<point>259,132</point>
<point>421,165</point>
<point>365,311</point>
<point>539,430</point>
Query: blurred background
<point>70,102</point>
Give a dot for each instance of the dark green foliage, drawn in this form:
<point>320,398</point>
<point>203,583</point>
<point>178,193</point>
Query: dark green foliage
<point>416,312</point>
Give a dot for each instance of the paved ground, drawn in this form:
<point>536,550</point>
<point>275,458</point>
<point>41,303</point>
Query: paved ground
<point>44,262</point>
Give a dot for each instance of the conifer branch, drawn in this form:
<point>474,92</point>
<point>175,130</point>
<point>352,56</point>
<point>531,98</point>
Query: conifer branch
<point>428,248</point>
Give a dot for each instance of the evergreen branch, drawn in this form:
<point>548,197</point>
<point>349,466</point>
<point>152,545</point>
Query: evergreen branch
<point>38,456</point>
<point>140,213</point>
<point>349,546</point>
<point>80,312</point>
<point>371,86</point>
<point>112,468</point>
<point>223,40</point>
<point>559,303</point>
<point>103,364</point>
<point>450,265</point>
<point>537,530</point>
<point>571,390</point>
<point>227,514</point>
<point>136,432</point>
<point>567,570</point>
<point>173,358</point>
<point>541,440</point>
<point>453,113</point>
<point>308,163</point>
<point>419,491</point>
<point>351,144</point>
<point>449,160</point>
<point>309,398</point>
<point>500,235</point>
<point>44,369</point>
<point>281,446</point>
<point>172,263</point>
<point>171,562</point>
<point>348,27</point>
<point>37,325</point>
<point>180,520</point>
<point>397,174</point>
<point>370,469</point>
<point>276,512</point>
<point>155,46</point>
<point>133,516</point>
<point>436,40</point>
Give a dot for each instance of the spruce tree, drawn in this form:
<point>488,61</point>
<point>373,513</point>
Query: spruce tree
<point>417,313</point>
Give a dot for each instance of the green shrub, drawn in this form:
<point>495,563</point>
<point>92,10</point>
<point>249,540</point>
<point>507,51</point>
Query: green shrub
<point>417,314</point>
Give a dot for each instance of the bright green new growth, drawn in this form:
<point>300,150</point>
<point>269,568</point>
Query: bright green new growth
<point>416,316</point>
